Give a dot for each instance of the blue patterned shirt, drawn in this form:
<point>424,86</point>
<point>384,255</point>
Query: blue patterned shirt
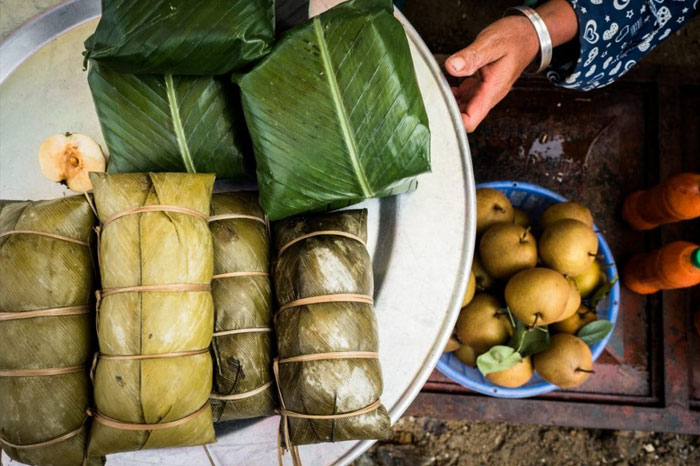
<point>614,35</point>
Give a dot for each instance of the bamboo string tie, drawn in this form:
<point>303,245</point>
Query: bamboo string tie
<point>41,372</point>
<point>154,208</point>
<point>47,443</point>
<point>242,330</point>
<point>48,235</point>
<point>329,298</point>
<point>239,274</point>
<point>286,414</point>
<point>215,218</point>
<point>241,396</point>
<point>116,424</point>
<point>344,234</point>
<point>51,312</point>
<point>140,357</point>
<point>183,287</point>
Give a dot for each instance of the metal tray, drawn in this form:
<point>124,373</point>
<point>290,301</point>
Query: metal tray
<point>421,243</point>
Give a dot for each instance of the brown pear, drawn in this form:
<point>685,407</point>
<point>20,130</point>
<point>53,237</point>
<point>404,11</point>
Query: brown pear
<point>589,280</point>
<point>513,377</point>
<point>506,249</point>
<point>471,289</point>
<point>574,301</point>
<point>520,217</point>
<point>537,296</point>
<point>563,210</point>
<point>575,322</point>
<point>452,344</point>
<point>492,206</point>
<point>466,355</point>
<point>482,324</point>
<point>567,362</point>
<point>484,281</point>
<point>569,247</point>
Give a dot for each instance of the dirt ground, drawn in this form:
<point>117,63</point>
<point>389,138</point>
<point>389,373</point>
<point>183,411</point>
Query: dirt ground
<point>433,442</point>
<point>447,26</point>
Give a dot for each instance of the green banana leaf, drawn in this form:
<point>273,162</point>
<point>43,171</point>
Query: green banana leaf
<point>317,266</point>
<point>39,272</point>
<point>153,248</point>
<point>182,36</point>
<point>334,112</point>
<point>171,123</point>
<point>242,361</point>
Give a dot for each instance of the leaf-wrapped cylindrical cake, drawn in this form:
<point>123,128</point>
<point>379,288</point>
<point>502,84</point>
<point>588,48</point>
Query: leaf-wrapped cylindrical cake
<point>328,370</point>
<point>46,328</point>
<point>243,340</point>
<point>155,318</point>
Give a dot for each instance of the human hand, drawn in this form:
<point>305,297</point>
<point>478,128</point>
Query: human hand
<point>499,55</point>
<point>490,65</point>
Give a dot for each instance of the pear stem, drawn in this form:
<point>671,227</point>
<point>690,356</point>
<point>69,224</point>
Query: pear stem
<point>532,327</point>
<point>522,238</point>
<point>578,369</point>
<point>499,208</point>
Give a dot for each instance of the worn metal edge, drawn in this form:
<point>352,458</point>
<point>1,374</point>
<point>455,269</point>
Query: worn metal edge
<point>34,34</point>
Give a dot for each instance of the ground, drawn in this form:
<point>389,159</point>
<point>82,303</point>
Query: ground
<point>446,26</point>
<point>432,442</point>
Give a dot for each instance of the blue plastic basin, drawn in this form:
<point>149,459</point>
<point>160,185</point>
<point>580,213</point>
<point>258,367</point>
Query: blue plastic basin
<point>534,200</point>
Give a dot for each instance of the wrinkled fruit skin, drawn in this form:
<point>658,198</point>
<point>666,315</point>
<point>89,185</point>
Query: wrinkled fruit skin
<point>514,377</point>
<point>569,247</point>
<point>492,206</point>
<point>537,291</point>
<point>561,362</point>
<point>562,210</point>
<point>506,249</point>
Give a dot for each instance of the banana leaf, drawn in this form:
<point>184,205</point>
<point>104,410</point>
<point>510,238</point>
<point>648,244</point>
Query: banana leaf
<point>171,123</point>
<point>242,361</point>
<point>41,273</point>
<point>335,113</point>
<point>182,36</point>
<point>319,266</point>
<point>156,249</point>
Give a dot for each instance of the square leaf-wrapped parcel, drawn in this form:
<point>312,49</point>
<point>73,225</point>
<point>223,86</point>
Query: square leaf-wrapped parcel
<point>335,112</point>
<point>182,36</point>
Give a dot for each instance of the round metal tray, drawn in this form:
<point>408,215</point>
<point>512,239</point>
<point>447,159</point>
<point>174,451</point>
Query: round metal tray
<point>421,243</point>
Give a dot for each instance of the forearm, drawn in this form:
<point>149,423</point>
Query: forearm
<point>561,21</point>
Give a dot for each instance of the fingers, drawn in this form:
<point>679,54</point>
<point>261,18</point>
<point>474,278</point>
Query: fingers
<point>467,61</point>
<point>485,96</point>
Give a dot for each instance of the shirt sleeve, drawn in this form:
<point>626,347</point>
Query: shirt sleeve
<point>613,36</point>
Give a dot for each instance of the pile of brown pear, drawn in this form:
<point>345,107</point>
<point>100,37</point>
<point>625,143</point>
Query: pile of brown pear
<point>540,281</point>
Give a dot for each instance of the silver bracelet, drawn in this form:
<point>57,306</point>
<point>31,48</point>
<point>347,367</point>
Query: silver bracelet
<point>545,40</point>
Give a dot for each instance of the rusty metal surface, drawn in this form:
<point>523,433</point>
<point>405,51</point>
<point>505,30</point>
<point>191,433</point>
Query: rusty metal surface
<point>596,148</point>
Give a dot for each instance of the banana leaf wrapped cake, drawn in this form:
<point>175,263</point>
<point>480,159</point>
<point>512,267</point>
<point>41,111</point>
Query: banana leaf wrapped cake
<point>155,319</point>
<point>243,335</point>
<point>182,36</point>
<point>346,119</point>
<point>46,329</point>
<point>328,371</point>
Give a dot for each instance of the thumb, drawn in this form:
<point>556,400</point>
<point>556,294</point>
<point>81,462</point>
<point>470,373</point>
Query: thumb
<point>467,61</point>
